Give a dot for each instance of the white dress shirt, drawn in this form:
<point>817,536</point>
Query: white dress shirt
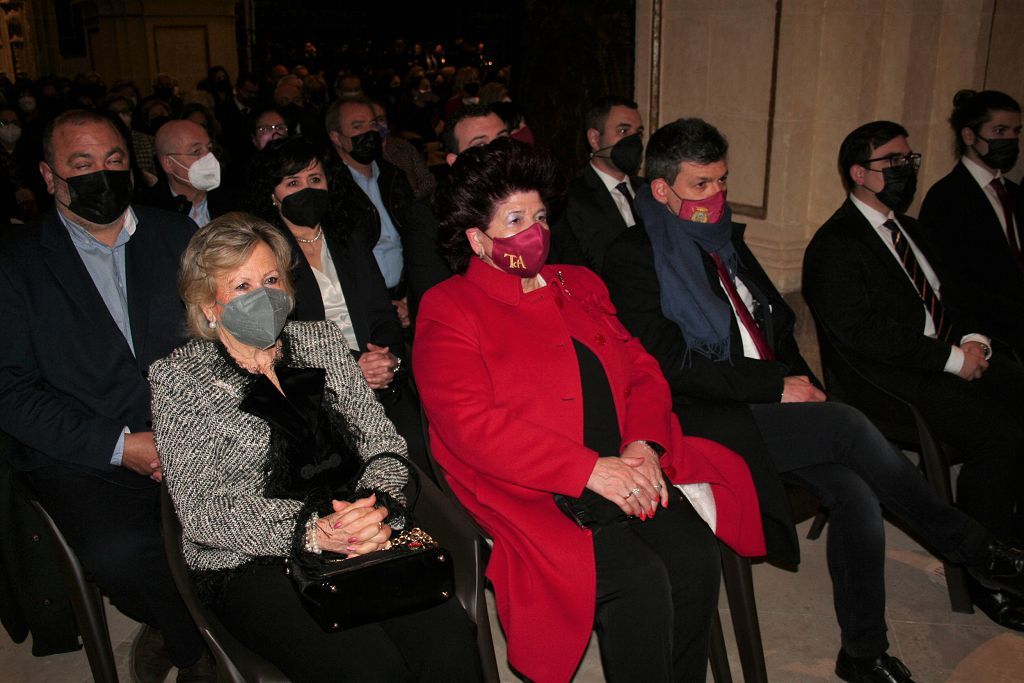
<point>335,306</point>
<point>620,202</point>
<point>955,361</point>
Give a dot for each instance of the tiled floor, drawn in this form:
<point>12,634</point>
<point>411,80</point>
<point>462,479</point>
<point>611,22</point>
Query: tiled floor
<point>798,626</point>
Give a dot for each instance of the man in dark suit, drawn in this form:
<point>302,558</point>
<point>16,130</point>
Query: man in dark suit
<point>975,219</point>
<point>879,289</point>
<point>599,205</point>
<point>693,293</point>
<point>88,300</point>
<point>191,183</point>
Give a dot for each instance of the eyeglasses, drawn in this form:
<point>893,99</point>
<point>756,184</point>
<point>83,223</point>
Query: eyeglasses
<point>4,124</point>
<point>273,128</point>
<point>897,161</point>
<point>194,155</point>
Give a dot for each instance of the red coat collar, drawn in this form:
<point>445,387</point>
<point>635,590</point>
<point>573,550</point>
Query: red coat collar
<point>499,285</point>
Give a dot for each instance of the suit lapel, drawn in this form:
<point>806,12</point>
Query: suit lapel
<point>66,265</point>
<point>140,285</point>
<point>602,198</point>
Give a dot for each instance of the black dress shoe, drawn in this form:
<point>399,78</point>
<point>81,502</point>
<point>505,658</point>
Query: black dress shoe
<point>881,669</point>
<point>149,661</point>
<point>1000,607</point>
<point>1001,569</point>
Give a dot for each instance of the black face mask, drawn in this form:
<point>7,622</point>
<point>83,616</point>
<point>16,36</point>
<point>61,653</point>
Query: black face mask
<point>627,153</point>
<point>99,197</point>
<point>367,147</point>
<point>900,186</point>
<point>306,207</point>
<point>1002,153</point>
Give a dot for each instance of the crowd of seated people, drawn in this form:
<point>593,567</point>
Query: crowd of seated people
<point>213,280</point>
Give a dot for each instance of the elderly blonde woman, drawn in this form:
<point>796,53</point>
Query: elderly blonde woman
<point>258,423</point>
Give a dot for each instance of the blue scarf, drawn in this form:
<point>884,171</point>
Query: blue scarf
<point>687,298</point>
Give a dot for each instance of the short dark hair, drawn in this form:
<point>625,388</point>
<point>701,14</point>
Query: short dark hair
<point>77,117</point>
<point>281,157</point>
<point>479,179</point>
<point>598,113</point>
<point>511,114</point>
<point>972,109</point>
<point>332,119</point>
<point>693,140</point>
<point>472,111</point>
<point>862,142</point>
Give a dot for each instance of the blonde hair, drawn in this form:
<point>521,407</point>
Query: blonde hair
<point>221,246</point>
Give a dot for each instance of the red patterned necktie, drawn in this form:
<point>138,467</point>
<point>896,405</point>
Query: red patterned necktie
<point>1011,228</point>
<point>943,328</point>
<point>747,320</point>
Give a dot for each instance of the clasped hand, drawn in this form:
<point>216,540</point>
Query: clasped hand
<point>633,481</point>
<point>378,366</point>
<point>354,528</point>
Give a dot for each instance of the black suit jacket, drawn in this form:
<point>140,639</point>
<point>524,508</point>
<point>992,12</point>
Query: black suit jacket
<point>219,201</point>
<point>590,222</point>
<point>69,382</point>
<point>863,297</point>
<point>958,217</point>
<point>373,317</point>
<point>712,398</point>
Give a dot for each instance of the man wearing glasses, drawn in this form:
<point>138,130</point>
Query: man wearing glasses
<point>876,285</point>
<point>192,174</point>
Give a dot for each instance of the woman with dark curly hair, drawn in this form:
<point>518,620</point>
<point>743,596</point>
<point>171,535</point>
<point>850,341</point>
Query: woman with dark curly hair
<point>336,277</point>
<point>555,429</point>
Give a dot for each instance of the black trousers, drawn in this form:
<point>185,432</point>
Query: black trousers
<point>834,451</point>
<point>657,589</point>
<point>261,608</point>
<point>115,531</point>
<point>984,421</point>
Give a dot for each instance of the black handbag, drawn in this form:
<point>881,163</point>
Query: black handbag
<point>413,574</point>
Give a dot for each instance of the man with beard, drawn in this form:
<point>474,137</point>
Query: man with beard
<point>88,300</point>
<point>599,205</point>
<point>879,290</point>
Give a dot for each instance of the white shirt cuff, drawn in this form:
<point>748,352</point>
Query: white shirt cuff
<point>955,362</point>
<point>119,448</point>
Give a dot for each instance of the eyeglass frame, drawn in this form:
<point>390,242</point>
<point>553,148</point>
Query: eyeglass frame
<point>274,127</point>
<point>210,149</point>
<point>913,159</point>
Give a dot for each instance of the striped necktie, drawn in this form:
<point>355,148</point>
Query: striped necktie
<point>623,188</point>
<point>1011,229</point>
<point>943,328</point>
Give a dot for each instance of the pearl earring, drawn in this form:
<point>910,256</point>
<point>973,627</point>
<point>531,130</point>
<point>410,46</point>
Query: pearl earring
<point>212,324</point>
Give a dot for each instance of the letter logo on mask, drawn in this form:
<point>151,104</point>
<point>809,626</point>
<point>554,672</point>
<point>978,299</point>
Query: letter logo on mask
<point>522,254</point>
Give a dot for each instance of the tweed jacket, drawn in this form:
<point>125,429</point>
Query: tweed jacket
<point>216,457</point>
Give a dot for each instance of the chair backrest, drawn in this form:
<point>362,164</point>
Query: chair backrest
<point>235,662</point>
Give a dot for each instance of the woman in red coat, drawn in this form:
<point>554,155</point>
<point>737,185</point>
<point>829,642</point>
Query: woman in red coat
<point>555,429</point>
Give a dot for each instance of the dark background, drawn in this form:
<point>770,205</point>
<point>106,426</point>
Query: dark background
<point>562,54</point>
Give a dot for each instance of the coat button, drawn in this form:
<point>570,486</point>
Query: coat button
<point>627,392</point>
<point>599,339</point>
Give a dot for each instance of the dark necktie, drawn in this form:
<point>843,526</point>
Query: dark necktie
<point>624,189</point>
<point>1011,229</point>
<point>943,328</point>
<point>747,320</point>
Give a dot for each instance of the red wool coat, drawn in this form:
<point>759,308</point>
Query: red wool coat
<point>500,383</point>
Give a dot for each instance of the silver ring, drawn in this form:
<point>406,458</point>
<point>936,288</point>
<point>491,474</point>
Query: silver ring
<point>380,525</point>
<point>636,491</point>
<point>658,487</point>
<point>627,496</point>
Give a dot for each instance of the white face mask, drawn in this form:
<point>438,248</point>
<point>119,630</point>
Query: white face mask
<point>204,174</point>
<point>27,103</point>
<point>10,133</point>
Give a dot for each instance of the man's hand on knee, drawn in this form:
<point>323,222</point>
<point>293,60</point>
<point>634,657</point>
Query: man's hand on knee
<point>140,455</point>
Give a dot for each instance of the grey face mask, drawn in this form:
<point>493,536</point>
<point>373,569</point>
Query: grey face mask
<point>257,318</point>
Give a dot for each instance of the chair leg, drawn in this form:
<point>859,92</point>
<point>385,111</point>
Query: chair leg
<point>818,525</point>
<point>717,654</point>
<point>739,586</point>
<point>936,469</point>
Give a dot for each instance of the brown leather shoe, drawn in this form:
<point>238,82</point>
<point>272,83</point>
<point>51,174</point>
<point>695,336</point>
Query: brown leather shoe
<point>203,671</point>
<point>149,661</point>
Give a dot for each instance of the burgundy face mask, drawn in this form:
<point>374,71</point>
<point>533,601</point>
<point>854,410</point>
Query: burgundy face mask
<point>708,210</point>
<point>522,254</point>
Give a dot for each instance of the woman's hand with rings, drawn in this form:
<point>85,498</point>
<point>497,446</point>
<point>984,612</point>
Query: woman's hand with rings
<point>642,457</point>
<point>354,528</point>
<point>623,485</point>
